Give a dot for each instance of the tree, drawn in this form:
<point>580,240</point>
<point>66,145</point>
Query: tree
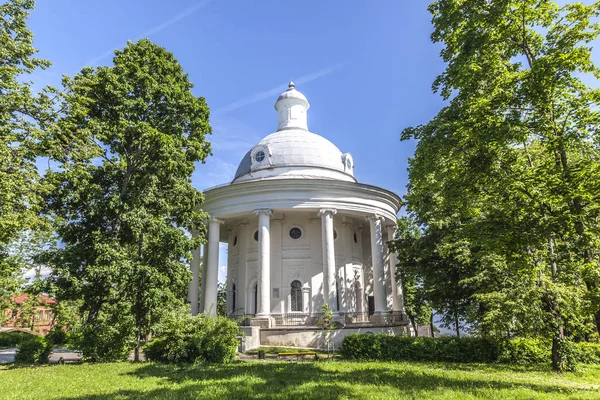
<point>24,135</point>
<point>122,205</point>
<point>221,299</point>
<point>508,173</point>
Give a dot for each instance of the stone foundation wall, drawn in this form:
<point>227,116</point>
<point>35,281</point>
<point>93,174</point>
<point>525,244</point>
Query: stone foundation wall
<point>318,338</point>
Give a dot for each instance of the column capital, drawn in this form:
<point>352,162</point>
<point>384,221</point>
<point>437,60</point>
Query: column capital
<point>266,211</point>
<point>374,218</point>
<point>327,211</point>
<point>214,220</point>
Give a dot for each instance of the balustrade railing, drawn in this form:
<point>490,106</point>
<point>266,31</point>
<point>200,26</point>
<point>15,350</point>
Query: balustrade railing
<point>318,319</point>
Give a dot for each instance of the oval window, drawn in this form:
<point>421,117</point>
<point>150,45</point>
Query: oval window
<point>295,233</point>
<point>259,156</point>
<point>256,236</point>
<point>355,238</point>
<point>235,240</point>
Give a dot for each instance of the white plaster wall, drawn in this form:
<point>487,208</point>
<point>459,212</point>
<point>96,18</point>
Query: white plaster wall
<point>297,259</point>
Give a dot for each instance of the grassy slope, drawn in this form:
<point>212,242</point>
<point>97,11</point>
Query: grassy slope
<point>305,380</point>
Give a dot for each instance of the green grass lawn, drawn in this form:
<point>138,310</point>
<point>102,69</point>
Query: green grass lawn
<point>293,380</point>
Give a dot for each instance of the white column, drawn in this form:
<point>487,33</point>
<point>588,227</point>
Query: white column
<point>329,283</point>
<point>397,294</point>
<point>243,265</point>
<point>212,270</point>
<point>229,278</point>
<point>264,263</point>
<point>377,259</point>
<point>203,284</point>
<point>347,272</point>
<point>195,282</point>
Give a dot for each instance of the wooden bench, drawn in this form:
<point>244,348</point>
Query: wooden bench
<point>297,354</point>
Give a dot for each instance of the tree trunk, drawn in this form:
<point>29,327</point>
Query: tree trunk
<point>456,324</point>
<point>136,352</point>
<point>431,325</point>
<point>414,325</point>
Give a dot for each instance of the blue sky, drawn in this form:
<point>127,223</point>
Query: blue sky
<point>365,67</point>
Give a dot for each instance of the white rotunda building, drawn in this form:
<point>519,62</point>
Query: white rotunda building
<point>301,233</point>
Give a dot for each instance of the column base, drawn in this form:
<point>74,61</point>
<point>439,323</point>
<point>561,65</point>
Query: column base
<point>263,321</point>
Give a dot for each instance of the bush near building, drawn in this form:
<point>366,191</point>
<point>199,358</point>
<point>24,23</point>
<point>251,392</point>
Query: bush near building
<point>521,351</point>
<point>183,338</point>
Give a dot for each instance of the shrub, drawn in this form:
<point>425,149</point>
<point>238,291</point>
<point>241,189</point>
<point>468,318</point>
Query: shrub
<point>12,339</point>
<point>34,350</point>
<point>587,353</point>
<point>183,338</point>
<point>525,351</point>
<point>57,337</point>
<point>405,348</point>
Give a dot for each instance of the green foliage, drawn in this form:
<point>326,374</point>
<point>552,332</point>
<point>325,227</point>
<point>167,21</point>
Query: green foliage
<point>524,351</point>
<point>24,136</point>
<point>33,350</point>
<point>587,353</point>
<point>183,338</point>
<point>123,203</point>
<point>57,337</point>
<point>12,339</point>
<point>221,299</point>
<point>403,348</point>
<point>504,182</point>
<point>109,338</point>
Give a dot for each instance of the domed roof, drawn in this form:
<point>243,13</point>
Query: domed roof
<point>293,151</point>
<point>291,93</point>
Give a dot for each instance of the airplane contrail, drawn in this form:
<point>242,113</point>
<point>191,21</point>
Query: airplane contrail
<point>156,29</point>
<point>276,90</point>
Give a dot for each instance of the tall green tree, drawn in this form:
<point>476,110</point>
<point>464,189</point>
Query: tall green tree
<point>25,118</point>
<point>508,173</point>
<point>124,203</point>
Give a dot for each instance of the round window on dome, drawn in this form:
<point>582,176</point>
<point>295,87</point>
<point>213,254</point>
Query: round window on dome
<point>259,156</point>
<point>295,233</point>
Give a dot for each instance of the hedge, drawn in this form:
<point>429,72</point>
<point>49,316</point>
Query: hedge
<point>404,348</point>
<point>523,351</point>
<point>12,339</point>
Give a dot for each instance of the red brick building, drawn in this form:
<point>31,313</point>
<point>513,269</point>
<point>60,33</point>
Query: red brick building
<point>41,319</point>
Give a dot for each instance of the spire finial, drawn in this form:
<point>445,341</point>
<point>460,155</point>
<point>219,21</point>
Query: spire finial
<point>291,86</point>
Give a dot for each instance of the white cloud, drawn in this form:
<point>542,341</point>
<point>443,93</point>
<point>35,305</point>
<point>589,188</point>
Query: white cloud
<point>30,273</point>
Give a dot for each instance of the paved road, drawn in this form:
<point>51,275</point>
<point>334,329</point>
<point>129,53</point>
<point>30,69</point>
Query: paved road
<point>8,355</point>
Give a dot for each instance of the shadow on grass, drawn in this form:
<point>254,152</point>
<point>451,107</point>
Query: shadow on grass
<point>310,381</point>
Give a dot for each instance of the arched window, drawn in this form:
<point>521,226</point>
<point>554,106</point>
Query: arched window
<point>233,294</point>
<point>296,295</point>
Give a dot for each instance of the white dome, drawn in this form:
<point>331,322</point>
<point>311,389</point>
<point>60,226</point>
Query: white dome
<point>295,153</point>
